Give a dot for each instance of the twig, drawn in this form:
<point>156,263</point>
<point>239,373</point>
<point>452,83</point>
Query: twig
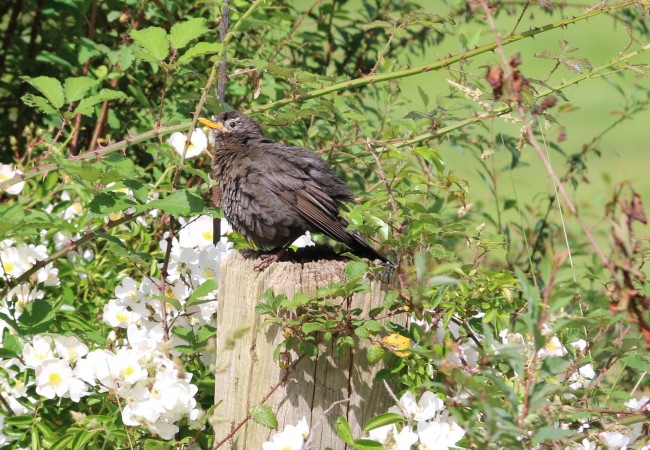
<point>222,81</point>
<point>565,196</point>
<point>84,72</point>
<point>272,389</point>
<point>99,153</point>
<point>357,82</point>
<point>56,255</point>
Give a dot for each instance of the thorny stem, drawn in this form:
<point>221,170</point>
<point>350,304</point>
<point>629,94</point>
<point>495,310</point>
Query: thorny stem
<point>211,79</point>
<point>97,154</point>
<point>565,196</point>
<point>357,82</point>
<point>56,255</point>
<point>270,392</point>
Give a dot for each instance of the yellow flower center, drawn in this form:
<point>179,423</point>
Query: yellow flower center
<point>55,378</point>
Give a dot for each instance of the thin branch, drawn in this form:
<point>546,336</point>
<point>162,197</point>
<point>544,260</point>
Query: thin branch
<point>98,154</point>
<point>270,392</point>
<point>357,82</point>
<point>319,92</point>
<point>565,196</point>
<point>56,255</point>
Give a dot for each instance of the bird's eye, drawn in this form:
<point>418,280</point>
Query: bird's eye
<point>232,123</point>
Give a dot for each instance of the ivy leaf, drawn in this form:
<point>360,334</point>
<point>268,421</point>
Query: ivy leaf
<point>183,32</point>
<point>76,87</point>
<point>153,40</point>
<point>263,415</point>
<point>50,87</point>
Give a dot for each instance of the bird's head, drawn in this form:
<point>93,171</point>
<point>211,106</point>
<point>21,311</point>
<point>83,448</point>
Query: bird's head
<point>232,125</point>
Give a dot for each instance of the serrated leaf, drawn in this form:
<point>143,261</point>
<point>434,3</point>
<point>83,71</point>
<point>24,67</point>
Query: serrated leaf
<point>36,317</point>
<point>546,54</point>
<point>355,270</point>
<point>383,420</point>
<point>376,24</point>
<point>86,105</point>
<point>50,87</point>
<point>548,432</point>
<point>153,40</point>
<point>202,290</point>
<point>36,101</point>
<point>179,203</point>
<point>200,49</point>
<point>375,353</point>
<point>310,327</point>
<point>76,87</point>
<point>343,429</point>
<point>264,415</point>
<point>109,202</point>
<point>183,32</point>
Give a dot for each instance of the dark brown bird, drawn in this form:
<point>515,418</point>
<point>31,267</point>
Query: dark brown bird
<point>272,193</point>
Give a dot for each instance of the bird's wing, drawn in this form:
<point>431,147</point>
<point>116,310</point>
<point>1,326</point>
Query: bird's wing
<point>315,193</point>
<point>297,189</point>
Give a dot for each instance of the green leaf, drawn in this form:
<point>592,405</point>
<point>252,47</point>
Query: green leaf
<point>179,203</point>
<point>553,365</point>
<point>76,87</point>
<point>200,49</point>
<point>355,270</point>
<point>367,444</point>
<point>183,32</point>
<point>548,432</point>
<point>153,41</point>
<point>343,429</point>
<point>376,24</point>
<point>310,327</point>
<point>50,87</point>
<point>375,353</point>
<point>109,202</point>
<point>86,105</point>
<point>23,421</point>
<point>202,290</point>
<point>37,317</point>
<point>382,420</point>
<point>263,415</point>
<point>637,362</point>
<point>36,101</point>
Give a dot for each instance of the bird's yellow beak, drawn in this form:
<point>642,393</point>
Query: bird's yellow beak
<point>212,124</point>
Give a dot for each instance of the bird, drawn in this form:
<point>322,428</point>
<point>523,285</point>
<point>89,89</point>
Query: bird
<point>273,193</point>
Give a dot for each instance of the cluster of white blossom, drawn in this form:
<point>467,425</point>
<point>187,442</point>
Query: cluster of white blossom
<point>154,391</point>
<point>429,425</point>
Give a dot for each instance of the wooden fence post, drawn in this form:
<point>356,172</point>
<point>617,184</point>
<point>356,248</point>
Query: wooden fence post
<point>245,370</point>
